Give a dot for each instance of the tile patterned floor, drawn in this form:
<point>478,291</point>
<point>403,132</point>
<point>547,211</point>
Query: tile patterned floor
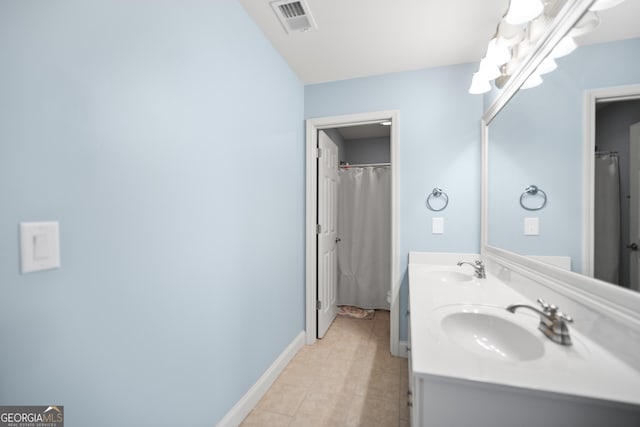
<point>348,378</point>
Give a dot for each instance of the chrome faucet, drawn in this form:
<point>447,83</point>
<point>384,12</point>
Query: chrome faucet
<point>478,266</point>
<point>553,323</point>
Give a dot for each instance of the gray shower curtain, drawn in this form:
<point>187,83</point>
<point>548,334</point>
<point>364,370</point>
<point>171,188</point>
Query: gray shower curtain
<point>607,218</point>
<point>364,227</point>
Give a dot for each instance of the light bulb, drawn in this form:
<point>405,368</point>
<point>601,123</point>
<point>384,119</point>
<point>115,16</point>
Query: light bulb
<point>564,47</point>
<point>547,66</point>
<point>498,54</point>
<point>509,35</point>
<point>479,85</point>
<point>522,11</point>
<point>605,4</point>
<point>533,81</point>
<point>489,70</point>
<point>585,25</point>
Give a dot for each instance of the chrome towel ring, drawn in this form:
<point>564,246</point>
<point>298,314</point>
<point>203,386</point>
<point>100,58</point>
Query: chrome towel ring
<point>531,192</point>
<point>437,194</point>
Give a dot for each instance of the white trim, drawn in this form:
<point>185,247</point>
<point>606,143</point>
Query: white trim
<point>313,125</point>
<point>591,97</point>
<point>484,185</point>
<point>613,301</point>
<point>403,349</point>
<point>241,409</point>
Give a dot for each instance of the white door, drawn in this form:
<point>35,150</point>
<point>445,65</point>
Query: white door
<point>327,236</point>
<point>634,205</point>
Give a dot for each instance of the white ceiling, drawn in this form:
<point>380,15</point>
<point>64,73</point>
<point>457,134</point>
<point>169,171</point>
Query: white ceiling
<point>357,38</point>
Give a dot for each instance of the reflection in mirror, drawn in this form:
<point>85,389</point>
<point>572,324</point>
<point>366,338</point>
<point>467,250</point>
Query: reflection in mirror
<point>539,138</point>
<point>615,217</point>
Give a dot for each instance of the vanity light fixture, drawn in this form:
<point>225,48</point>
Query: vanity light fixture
<point>498,54</point>
<point>586,24</point>
<point>533,81</point>
<point>564,47</point>
<point>479,85</point>
<point>518,33</point>
<point>547,66</point>
<point>488,69</point>
<point>523,11</point>
<point>605,4</point>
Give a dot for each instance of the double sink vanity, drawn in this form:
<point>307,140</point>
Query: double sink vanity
<point>527,336</point>
<point>473,362</point>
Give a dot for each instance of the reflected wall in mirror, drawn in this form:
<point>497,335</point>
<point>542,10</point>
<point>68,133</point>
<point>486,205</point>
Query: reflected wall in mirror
<point>539,138</point>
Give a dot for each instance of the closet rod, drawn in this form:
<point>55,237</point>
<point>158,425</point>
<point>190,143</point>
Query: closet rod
<point>364,165</point>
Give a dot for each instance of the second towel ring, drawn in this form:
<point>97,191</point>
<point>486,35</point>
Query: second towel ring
<point>437,193</point>
<point>533,190</point>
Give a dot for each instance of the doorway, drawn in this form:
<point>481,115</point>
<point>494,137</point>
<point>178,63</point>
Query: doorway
<point>312,207</point>
<point>611,193</point>
<point>354,210</point>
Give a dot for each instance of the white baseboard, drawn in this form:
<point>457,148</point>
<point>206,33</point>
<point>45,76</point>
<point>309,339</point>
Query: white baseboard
<point>402,349</point>
<point>241,409</point>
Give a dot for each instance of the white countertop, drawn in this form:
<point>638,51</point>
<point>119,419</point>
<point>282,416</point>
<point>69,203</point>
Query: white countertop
<point>583,369</point>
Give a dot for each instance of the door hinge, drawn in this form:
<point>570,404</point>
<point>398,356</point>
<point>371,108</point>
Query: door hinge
<point>318,305</point>
<point>318,229</point>
<point>318,152</point>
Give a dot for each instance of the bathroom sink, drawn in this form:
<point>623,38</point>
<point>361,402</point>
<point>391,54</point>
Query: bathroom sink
<point>448,276</point>
<point>490,333</point>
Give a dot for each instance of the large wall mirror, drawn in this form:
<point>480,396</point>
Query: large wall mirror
<point>573,138</point>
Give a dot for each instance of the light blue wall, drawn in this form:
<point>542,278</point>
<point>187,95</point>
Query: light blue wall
<point>538,139</point>
<point>166,136</point>
<point>439,145</point>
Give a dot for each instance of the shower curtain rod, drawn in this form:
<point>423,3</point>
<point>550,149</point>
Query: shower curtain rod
<point>604,153</point>
<point>364,165</point>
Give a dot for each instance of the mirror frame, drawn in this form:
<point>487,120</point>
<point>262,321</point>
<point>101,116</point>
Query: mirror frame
<point>615,301</point>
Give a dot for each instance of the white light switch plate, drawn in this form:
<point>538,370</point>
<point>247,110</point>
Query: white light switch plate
<point>39,246</point>
<point>437,225</point>
<point>531,227</point>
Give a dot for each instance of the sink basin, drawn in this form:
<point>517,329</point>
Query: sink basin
<point>448,276</point>
<point>490,333</point>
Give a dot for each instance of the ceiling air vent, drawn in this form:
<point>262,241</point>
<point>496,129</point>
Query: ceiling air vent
<point>293,15</point>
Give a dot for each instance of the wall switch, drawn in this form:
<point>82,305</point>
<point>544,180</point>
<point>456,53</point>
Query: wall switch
<point>531,227</point>
<point>437,225</point>
<point>39,246</point>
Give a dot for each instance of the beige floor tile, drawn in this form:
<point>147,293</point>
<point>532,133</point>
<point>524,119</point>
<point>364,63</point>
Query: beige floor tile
<point>301,376</point>
<point>325,408</point>
<point>311,353</point>
<point>259,418</point>
<point>335,385</point>
<point>346,349</point>
<point>348,378</point>
<point>334,368</point>
<point>282,399</point>
<point>385,362</point>
<point>379,386</point>
<point>371,412</point>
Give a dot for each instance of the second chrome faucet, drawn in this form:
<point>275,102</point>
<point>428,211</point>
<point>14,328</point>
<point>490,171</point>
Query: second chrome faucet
<point>478,266</point>
<point>553,323</point>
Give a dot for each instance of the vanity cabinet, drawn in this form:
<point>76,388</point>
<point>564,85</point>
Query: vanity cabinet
<point>460,377</point>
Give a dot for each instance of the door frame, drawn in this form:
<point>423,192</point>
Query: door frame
<point>591,97</point>
<point>312,128</point>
